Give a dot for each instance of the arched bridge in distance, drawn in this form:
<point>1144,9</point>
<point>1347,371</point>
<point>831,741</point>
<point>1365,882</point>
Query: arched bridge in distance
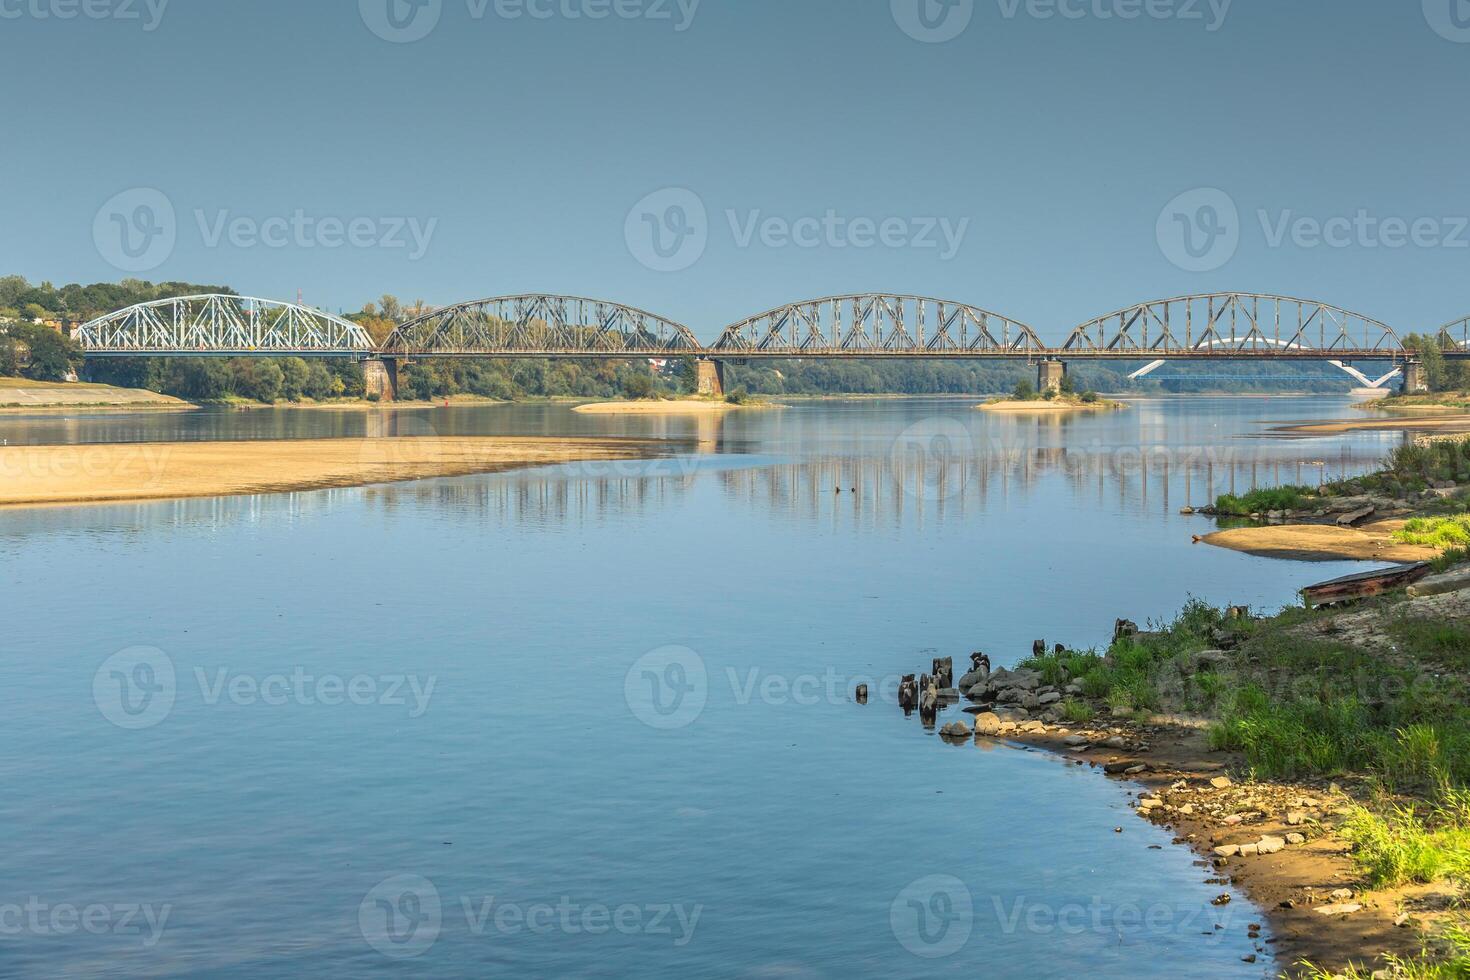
<point>1208,326</point>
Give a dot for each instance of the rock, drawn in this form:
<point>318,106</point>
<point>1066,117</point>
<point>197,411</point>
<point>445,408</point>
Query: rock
<point>1030,702</point>
<point>1021,677</point>
<point>956,729</point>
<point>1228,850</point>
<point>1006,727</point>
<point>987,724</point>
<point>1295,817</point>
<point>948,694</point>
<point>1118,768</point>
<point>972,678</point>
<point>1340,894</point>
<point>1356,517</point>
<point>1075,740</point>
<point>1221,782</point>
<point>1134,771</point>
<point>1116,742</point>
<point>1248,850</point>
<point>1295,839</point>
<point>1073,688</point>
<point>1032,726</point>
<point>1345,909</point>
<point>1270,845</point>
<point>1187,810</point>
<point>1210,661</point>
<point>1233,819</point>
<point>1221,900</point>
<point>1125,628</point>
<point>1150,803</point>
<point>1051,698</point>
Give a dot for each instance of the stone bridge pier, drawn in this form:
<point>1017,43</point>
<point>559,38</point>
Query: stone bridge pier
<point>1049,375</point>
<point>381,376</point>
<point>709,377</point>
<point>1415,380</point>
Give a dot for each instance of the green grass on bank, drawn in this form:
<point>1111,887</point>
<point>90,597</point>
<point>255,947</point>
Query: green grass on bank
<point>1264,501</point>
<point>1298,707</point>
<point>1448,959</point>
<point>1436,532</point>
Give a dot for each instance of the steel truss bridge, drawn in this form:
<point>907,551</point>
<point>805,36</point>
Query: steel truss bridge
<point>222,326</point>
<point>1208,326</point>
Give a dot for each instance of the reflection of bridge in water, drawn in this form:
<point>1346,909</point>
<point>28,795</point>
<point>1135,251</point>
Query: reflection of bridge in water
<point>1148,479</point>
<point>876,490</point>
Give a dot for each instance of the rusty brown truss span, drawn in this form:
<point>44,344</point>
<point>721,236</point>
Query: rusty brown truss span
<point>1208,326</point>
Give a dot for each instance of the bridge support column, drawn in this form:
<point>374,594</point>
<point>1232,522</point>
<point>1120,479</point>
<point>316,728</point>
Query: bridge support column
<point>709,377</point>
<point>381,377</point>
<point>1415,380</point>
<point>1049,376</point>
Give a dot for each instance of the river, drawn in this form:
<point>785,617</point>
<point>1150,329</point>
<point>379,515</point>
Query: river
<point>597,720</point>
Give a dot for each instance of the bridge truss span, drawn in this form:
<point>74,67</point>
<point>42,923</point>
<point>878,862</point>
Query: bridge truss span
<point>542,325</point>
<point>1230,325</point>
<point>878,325</point>
<point>222,325</point>
<point>1456,335</point>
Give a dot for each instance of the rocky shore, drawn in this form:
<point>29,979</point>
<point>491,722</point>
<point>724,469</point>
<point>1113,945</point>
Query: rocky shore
<point>1281,841</point>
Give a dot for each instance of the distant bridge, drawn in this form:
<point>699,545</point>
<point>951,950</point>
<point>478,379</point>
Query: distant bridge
<point>1208,326</point>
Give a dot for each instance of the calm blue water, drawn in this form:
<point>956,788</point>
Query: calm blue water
<point>596,722</point>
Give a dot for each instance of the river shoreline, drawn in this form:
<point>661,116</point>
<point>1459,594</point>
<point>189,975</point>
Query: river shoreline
<point>1289,886</point>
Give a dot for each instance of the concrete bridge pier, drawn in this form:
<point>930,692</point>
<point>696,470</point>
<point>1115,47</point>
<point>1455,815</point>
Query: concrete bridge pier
<point>381,375</point>
<point>1049,375</point>
<point>1415,380</point>
<point>709,377</point>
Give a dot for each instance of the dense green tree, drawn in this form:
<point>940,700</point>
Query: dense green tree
<point>52,356</point>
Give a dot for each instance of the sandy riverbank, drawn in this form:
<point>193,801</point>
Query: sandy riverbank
<point>1439,423</point>
<point>682,406</point>
<point>1321,542</point>
<point>39,475</point>
<point>19,396</point>
<point>1044,407</point>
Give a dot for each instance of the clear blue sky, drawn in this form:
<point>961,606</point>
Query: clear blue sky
<point>1059,140</point>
